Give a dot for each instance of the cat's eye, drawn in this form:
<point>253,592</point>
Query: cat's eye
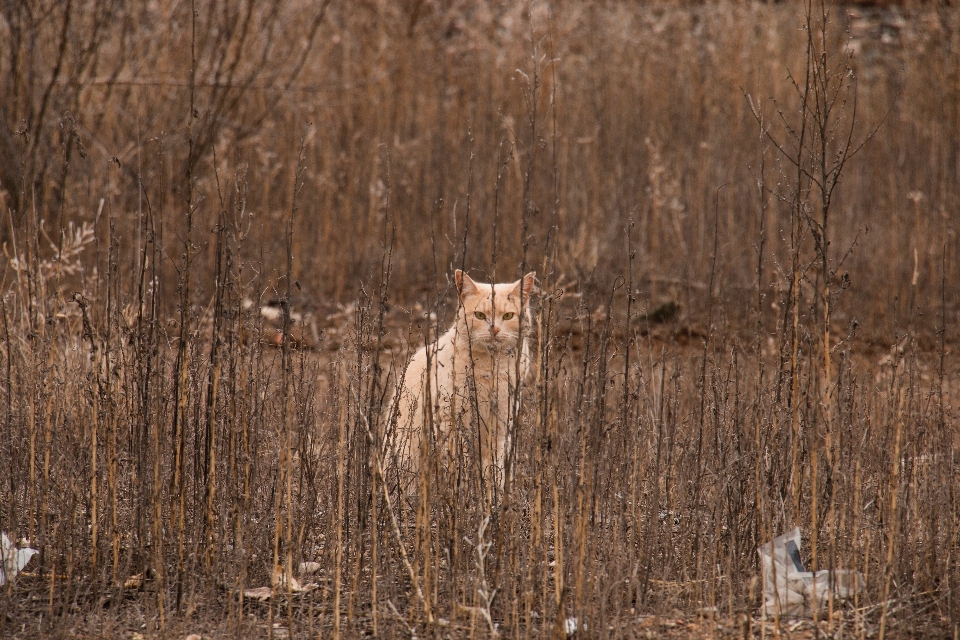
<point>507,316</point>
<point>480,315</point>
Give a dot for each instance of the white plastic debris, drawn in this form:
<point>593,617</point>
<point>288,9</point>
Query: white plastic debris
<point>14,559</point>
<point>280,582</point>
<point>307,568</point>
<point>787,586</point>
<point>572,625</point>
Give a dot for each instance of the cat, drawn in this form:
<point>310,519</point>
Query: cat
<point>475,374</point>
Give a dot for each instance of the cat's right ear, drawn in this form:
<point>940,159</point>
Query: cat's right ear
<point>465,284</point>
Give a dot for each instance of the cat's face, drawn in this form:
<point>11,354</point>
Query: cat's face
<point>492,312</point>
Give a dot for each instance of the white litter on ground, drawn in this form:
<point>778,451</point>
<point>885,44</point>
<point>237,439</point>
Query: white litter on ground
<point>280,582</point>
<point>307,568</point>
<point>787,586</point>
<point>573,625</point>
<point>14,559</point>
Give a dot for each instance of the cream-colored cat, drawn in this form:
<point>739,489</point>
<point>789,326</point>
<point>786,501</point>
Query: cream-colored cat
<point>475,373</point>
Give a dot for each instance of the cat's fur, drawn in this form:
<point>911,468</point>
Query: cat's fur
<point>475,374</point>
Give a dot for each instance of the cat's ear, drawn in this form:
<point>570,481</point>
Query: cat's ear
<point>525,285</point>
<point>465,284</point>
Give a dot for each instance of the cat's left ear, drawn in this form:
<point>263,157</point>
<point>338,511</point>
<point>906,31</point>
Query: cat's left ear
<point>526,285</point>
<point>465,285</point>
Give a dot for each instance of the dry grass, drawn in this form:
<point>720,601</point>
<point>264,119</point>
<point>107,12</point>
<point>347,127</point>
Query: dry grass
<point>163,163</point>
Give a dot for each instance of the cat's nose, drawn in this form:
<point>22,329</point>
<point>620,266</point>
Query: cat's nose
<point>494,329</point>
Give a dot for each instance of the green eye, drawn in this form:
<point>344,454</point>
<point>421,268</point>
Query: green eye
<point>507,316</point>
<point>480,315</point>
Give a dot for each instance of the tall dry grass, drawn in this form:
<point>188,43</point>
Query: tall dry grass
<point>165,163</point>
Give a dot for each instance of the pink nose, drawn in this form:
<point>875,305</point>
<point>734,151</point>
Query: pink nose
<point>494,329</point>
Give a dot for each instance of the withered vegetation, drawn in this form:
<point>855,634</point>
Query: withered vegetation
<point>227,225</point>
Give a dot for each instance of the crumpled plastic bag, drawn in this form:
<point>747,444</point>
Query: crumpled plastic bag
<point>794,590</point>
<point>12,559</point>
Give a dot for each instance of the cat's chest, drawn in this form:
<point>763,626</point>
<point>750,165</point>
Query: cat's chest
<point>487,370</point>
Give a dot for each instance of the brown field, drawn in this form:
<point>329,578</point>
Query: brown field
<point>744,222</point>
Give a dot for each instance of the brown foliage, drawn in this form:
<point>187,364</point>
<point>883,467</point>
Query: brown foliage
<point>716,362</point>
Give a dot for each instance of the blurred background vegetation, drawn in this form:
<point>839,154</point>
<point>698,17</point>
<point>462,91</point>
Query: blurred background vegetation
<point>480,133</point>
